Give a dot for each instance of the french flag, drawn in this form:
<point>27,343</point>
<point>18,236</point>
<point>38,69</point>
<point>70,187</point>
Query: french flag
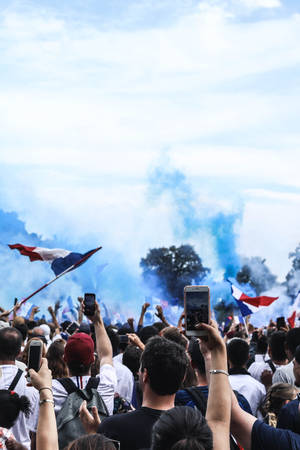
<point>250,305</point>
<point>60,260</point>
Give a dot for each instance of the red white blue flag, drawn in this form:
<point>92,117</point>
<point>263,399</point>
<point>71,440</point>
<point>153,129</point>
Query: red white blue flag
<point>249,305</point>
<point>60,260</point>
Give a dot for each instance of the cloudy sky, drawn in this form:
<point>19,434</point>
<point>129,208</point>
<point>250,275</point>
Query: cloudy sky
<point>100,99</point>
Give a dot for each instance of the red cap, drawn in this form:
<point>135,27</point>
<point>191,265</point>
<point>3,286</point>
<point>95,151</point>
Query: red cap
<point>79,348</point>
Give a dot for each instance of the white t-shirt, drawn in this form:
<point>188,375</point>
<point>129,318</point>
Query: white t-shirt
<point>22,425</point>
<point>106,387</point>
<point>125,381</point>
<point>250,388</point>
<point>257,368</point>
<point>285,374</point>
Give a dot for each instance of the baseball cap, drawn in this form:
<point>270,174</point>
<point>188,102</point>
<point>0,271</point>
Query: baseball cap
<point>79,348</point>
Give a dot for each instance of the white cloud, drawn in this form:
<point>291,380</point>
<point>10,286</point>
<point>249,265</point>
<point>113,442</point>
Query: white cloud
<point>254,4</point>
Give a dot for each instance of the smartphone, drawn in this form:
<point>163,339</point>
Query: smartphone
<point>196,308</point>
<point>123,339</point>
<point>72,328</point>
<point>89,304</point>
<point>35,355</point>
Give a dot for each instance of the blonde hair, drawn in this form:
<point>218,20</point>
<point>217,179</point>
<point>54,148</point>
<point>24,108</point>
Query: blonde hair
<point>275,399</point>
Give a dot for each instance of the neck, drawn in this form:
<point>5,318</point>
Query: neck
<point>7,362</point>
<point>280,363</point>
<point>201,379</point>
<point>154,401</point>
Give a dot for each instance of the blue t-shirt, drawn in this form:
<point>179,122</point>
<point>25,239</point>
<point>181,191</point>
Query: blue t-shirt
<point>264,437</point>
<point>184,398</point>
<point>288,417</point>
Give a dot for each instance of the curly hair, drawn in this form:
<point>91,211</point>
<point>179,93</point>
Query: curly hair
<point>275,399</point>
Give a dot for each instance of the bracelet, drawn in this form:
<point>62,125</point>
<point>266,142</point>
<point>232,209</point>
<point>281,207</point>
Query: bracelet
<point>50,389</point>
<point>46,400</point>
<point>214,371</point>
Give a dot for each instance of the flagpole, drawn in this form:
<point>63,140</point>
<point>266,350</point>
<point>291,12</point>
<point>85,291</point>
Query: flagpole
<point>78,263</point>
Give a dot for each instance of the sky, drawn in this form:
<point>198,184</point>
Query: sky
<point>120,119</point>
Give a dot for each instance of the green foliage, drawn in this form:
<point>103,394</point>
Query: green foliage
<point>173,268</point>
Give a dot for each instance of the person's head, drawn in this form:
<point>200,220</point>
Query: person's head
<point>23,328</point>
<point>181,428</point>
<point>56,362</point>
<point>262,345</point>
<point>277,346</point>
<point>131,358</point>
<point>159,326</point>
<point>92,442</point>
<point>173,334</point>
<point>10,343</point>
<point>277,396</point>
<point>11,405</point>
<point>238,352</point>
<point>292,342</point>
<point>79,354</point>
<point>46,331</point>
<point>146,333</point>
<point>163,366</point>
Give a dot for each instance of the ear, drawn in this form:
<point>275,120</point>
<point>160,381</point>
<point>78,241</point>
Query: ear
<point>145,376</point>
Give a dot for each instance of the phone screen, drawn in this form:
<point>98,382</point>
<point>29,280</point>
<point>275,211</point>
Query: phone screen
<point>34,356</point>
<point>72,328</point>
<point>197,308</point>
<point>89,304</point>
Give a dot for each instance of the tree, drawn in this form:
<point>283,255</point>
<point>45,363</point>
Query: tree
<point>173,268</point>
<point>293,276</point>
<point>256,272</point>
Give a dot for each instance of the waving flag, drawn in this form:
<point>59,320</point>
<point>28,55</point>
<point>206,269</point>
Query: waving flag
<point>61,260</point>
<point>249,305</point>
<point>294,311</point>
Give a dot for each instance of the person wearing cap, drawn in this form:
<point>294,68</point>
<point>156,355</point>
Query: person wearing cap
<point>79,355</point>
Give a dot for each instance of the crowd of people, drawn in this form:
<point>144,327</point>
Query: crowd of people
<point>136,387</point>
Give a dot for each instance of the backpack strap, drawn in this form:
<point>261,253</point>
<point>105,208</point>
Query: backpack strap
<point>68,385</point>
<point>92,383</point>
<point>15,381</point>
<point>198,398</point>
<point>272,367</point>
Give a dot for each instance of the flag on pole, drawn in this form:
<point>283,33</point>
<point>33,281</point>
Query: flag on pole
<point>294,311</point>
<point>60,260</point>
<point>249,305</point>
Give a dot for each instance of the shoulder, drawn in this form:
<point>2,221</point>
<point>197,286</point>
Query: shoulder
<point>263,436</point>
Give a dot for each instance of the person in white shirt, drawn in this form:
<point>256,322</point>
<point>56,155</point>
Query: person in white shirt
<point>10,346</point>
<point>277,358</point>
<point>239,378</point>
<point>285,373</point>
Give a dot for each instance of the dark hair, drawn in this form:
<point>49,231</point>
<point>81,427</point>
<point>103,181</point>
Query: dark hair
<point>275,399</point>
<point>293,340</point>
<point>131,358</point>
<point>10,343</point>
<point>114,338</point>
<point>146,333</point>
<point>238,352</point>
<point>173,334</point>
<point>56,362</point>
<point>276,344</point>
<point>23,328</point>
<point>65,324</point>
<point>159,326</point>
<point>262,345</point>
<point>166,364</point>
<point>11,405</point>
<point>182,428</point>
<point>92,442</point>
<point>197,359</point>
